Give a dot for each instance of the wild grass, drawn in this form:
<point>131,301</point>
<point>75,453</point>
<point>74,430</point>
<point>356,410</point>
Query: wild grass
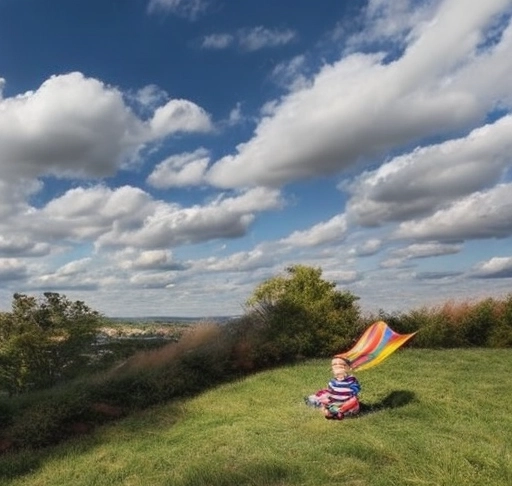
<point>466,323</point>
<point>441,417</point>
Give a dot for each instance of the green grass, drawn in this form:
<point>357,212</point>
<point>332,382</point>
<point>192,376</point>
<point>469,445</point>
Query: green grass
<point>443,418</point>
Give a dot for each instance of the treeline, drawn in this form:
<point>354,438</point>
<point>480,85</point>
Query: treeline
<point>56,383</point>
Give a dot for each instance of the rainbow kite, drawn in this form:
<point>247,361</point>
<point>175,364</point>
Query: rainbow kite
<point>377,343</point>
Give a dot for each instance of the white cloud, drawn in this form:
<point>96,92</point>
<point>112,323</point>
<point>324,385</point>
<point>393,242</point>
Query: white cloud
<point>151,281</point>
<point>132,259</point>
<point>359,106</point>
<point>217,41</point>
<point>239,262</point>
<point>260,37</point>
<point>497,267</point>
<point>289,74</point>
<point>341,276</point>
<point>168,225</point>
<point>235,115</point>
<point>369,247</point>
<point>71,126</point>
<point>22,245</point>
<point>61,281</point>
<point>479,215</point>
<point>425,250</point>
<point>129,216</point>
<point>12,269</point>
<point>428,178</point>
<point>250,39</point>
<point>190,9</point>
<point>78,127</point>
<point>150,96</point>
<point>398,21</point>
<point>186,169</point>
<point>324,232</point>
<point>179,116</point>
<point>75,267</point>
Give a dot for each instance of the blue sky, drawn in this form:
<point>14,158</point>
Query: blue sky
<point>164,157</point>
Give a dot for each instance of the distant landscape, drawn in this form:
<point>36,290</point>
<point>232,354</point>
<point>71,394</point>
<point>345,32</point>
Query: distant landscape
<point>172,319</point>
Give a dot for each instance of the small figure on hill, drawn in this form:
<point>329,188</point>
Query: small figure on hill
<point>340,398</point>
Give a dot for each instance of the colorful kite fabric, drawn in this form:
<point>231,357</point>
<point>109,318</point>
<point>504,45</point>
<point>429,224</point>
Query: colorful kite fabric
<point>377,343</point>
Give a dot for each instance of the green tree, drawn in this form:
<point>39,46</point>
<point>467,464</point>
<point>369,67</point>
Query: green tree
<point>45,341</point>
<point>302,315</point>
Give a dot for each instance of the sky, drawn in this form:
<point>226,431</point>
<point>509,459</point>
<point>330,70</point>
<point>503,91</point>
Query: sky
<point>164,157</point>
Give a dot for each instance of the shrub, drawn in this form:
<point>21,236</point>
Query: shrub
<point>301,315</point>
<point>501,333</point>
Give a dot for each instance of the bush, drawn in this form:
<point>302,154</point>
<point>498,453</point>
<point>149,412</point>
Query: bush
<point>300,315</point>
<point>500,335</point>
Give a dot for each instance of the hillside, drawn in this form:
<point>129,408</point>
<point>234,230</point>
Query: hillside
<point>440,418</point>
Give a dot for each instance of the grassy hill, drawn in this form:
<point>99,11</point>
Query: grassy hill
<point>439,418</point>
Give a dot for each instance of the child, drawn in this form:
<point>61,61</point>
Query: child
<point>340,398</point>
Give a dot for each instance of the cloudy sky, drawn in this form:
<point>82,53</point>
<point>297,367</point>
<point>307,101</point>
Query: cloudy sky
<point>163,157</point>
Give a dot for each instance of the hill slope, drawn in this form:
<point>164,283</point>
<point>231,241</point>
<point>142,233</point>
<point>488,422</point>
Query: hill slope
<point>441,417</point>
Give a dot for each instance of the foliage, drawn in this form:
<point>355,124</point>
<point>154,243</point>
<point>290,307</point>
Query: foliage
<point>484,323</point>
<point>201,359</point>
<point>45,341</point>
<point>299,314</point>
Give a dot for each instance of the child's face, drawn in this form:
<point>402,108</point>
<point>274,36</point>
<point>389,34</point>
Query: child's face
<point>339,368</point>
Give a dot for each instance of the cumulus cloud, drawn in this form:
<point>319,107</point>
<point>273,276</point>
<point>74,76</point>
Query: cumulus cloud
<point>12,269</point>
<point>151,280</point>
<point>75,267</point>
<point>369,247</point>
<point>239,262</point>
<point>167,225</point>
<point>129,216</point>
<point>73,275</point>
<point>497,267</point>
<point>324,232</point>
<point>78,127</point>
<point>361,105</point>
<point>179,116</point>
<point>22,245</point>
<point>398,22</point>
<point>71,126</point>
<point>132,259</point>
<point>483,214</point>
<point>186,169</point>
<point>428,178</point>
<point>341,276</point>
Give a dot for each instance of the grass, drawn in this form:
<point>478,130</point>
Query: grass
<point>441,418</point>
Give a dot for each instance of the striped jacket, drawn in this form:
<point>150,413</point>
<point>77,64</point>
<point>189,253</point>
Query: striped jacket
<point>342,390</point>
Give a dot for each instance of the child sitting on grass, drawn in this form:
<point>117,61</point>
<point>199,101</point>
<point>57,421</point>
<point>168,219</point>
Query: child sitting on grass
<point>339,399</point>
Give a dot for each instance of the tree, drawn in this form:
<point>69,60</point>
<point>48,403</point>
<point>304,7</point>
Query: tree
<point>301,314</point>
<point>45,341</point>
